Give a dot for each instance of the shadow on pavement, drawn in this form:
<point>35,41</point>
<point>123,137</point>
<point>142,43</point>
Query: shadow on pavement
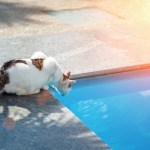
<point>11,13</point>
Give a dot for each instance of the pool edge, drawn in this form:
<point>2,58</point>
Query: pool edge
<point>111,71</point>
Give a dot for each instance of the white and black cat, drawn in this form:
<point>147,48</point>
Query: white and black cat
<point>28,76</point>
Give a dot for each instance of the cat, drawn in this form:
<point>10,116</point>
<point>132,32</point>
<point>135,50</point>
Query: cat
<point>29,76</point>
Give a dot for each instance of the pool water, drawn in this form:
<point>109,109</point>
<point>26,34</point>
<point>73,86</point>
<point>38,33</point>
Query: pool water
<point>115,107</point>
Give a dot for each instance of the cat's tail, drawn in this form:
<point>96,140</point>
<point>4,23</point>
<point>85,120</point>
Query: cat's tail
<point>1,88</point>
<point>38,55</point>
<point>4,79</point>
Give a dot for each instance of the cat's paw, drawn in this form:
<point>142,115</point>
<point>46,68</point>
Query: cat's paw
<point>21,93</point>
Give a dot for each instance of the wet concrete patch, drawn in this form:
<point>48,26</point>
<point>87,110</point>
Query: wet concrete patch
<point>82,16</point>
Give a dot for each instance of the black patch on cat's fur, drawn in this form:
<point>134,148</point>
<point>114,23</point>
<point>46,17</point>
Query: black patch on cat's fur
<point>11,63</point>
<point>38,63</point>
<point>4,78</point>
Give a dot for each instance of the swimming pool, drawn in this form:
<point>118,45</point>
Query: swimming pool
<point>116,107</point>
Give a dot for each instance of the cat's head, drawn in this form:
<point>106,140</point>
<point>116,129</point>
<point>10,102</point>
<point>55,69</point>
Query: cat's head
<point>65,84</point>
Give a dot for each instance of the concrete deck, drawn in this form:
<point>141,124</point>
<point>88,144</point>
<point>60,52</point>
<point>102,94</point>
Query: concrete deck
<point>39,121</point>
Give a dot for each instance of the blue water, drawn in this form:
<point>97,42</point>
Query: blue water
<point>115,107</point>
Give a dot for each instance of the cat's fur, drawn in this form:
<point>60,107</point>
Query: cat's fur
<point>28,76</point>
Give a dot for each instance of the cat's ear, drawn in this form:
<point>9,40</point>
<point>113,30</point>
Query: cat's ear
<point>68,74</point>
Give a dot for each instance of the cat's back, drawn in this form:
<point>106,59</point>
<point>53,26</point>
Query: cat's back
<point>16,66</point>
<point>23,65</point>
<point>25,73</point>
